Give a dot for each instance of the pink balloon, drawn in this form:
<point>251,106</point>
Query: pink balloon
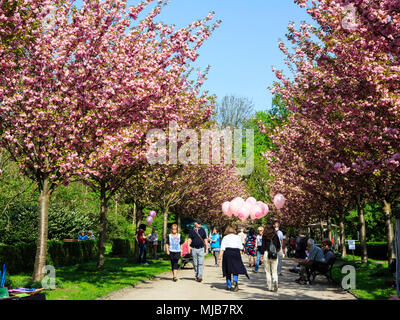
<point>152,214</point>
<point>149,220</point>
<point>266,209</point>
<point>247,208</point>
<point>251,200</point>
<point>279,201</point>
<point>234,207</point>
<point>258,211</point>
<point>253,211</point>
<point>225,208</point>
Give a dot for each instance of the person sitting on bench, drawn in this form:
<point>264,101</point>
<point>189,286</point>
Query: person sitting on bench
<point>315,261</point>
<point>185,250</point>
<point>328,252</point>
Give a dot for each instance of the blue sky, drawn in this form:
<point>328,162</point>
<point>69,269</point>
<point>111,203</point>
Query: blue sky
<point>243,49</point>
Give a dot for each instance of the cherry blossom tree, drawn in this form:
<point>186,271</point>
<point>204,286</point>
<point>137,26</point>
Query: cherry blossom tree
<point>78,97</point>
<point>344,95</point>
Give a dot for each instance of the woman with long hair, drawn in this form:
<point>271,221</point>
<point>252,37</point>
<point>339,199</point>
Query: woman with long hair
<point>232,264</point>
<point>271,245</point>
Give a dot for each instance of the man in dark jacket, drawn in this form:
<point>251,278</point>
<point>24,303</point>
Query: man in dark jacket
<point>198,247</point>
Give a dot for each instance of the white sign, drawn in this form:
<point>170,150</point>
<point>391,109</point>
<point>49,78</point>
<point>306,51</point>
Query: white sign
<point>352,244</point>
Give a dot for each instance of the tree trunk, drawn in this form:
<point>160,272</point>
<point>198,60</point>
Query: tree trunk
<point>342,235</point>
<point>389,230</point>
<point>41,249</point>
<point>138,221</point>
<point>103,228</point>
<point>134,216</point>
<point>178,218</point>
<point>321,229</point>
<point>165,225</point>
<point>330,228</point>
<point>363,233</point>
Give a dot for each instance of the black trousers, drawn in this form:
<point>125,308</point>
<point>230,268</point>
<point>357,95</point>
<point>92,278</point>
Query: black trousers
<point>174,256</point>
<point>307,268</point>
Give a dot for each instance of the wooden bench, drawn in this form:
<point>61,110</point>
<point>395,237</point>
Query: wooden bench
<point>325,272</point>
<point>185,261</point>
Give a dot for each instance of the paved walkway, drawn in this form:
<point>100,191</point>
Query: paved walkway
<point>212,288</point>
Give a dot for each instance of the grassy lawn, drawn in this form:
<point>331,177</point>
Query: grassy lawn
<point>370,279</point>
<point>83,282</point>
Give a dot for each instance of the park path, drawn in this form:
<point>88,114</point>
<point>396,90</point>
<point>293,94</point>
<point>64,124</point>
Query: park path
<point>212,288</point>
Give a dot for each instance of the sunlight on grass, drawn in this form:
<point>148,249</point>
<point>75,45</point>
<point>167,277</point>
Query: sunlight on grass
<point>371,279</point>
<point>84,282</point>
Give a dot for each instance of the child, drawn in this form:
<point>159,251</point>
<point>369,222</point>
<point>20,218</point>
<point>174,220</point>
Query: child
<point>232,263</point>
<point>185,249</point>
<point>174,249</point>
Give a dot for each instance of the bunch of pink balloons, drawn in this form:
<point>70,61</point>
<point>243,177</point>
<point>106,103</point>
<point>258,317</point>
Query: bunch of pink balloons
<point>279,201</point>
<point>242,209</point>
<point>149,219</point>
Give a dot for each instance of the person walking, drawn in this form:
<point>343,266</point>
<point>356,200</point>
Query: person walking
<point>251,248</point>
<point>232,263</point>
<point>153,242</point>
<point>215,244</point>
<point>198,246</point>
<point>281,252</point>
<point>243,236</point>
<point>271,246</point>
<point>173,247</point>
<point>260,252</point>
<point>141,240</point>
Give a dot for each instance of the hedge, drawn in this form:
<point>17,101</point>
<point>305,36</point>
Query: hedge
<point>21,257</point>
<point>123,247</point>
<point>376,250</point>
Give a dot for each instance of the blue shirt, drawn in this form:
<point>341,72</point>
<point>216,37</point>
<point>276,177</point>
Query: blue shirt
<point>215,242</point>
<point>316,254</point>
<point>85,237</point>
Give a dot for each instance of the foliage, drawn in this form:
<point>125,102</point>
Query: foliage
<point>19,224</point>
<point>375,223</point>
<point>123,247</point>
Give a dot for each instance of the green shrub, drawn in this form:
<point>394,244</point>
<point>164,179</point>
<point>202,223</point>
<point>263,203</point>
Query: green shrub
<point>123,247</point>
<point>19,224</point>
<point>118,227</point>
<point>21,258</point>
<point>376,250</point>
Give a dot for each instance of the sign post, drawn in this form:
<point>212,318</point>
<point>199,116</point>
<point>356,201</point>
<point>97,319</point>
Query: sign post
<point>352,246</point>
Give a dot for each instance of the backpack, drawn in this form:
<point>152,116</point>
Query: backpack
<point>272,254</point>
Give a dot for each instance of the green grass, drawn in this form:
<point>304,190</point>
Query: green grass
<point>84,282</point>
<point>370,279</point>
